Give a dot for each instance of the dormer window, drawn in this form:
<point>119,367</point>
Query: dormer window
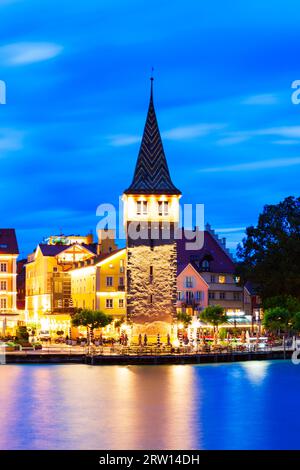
<point>163,208</point>
<point>205,265</point>
<point>142,208</point>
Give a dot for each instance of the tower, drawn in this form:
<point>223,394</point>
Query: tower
<point>151,214</point>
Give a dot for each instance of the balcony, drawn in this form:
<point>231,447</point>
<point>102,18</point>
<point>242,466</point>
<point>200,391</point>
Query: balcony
<point>121,287</point>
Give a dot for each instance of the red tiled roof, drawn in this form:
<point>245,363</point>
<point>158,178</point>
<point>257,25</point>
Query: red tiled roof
<point>8,242</point>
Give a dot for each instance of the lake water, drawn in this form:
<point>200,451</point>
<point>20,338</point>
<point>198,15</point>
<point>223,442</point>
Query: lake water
<point>251,405</point>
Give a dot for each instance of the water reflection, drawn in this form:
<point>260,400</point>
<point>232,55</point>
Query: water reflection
<point>147,407</point>
<point>256,371</point>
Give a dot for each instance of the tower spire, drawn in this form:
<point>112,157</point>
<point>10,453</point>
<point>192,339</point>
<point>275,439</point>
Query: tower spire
<point>151,175</point>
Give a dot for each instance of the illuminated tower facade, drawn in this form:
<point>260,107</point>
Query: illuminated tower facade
<point>151,215</point>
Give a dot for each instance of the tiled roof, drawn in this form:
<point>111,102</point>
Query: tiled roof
<point>53,250</point>
<point>151,174</point>
<point>8,241</point>
<point>219,260</point>
<point>97,259</point>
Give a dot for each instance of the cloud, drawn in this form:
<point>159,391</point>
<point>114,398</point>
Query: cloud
<point>259,165</point>
<point>122,140</point>
<point>23,53</point>
<point>233,140</point>
<point>286,142</point>
<point>177,133</point>
<point>190,132</point>
<point>266,99</point>
<point>10,140</point>
<point>230,229</point>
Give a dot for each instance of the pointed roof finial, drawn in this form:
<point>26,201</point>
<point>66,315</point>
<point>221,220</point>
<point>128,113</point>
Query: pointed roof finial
<point>151,175</point>
<point>151,79</point>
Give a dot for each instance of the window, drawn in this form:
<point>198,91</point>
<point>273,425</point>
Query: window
<point>3,245</point>
<point>3,267</point>
<point>212,279</point>
<point>236,296</point>
<point>121,265</point>
<point>205,265</point>
<point>121,281</point>
<point>151,274</point>
<point>237,279</point>
<point>3,303</point>
<point>150,299</point>
<point>189,296</point>
<point>163,208</point>
<point>3,285</point>
<point>199,295</point>
<point>180,295</point>
<point>211,295</point>
<point>188,281</point>
<point>109,303</point>
<point>109,281</point>
<point>142,208</point>
<point>121,303</point>
<point>222,295</point>
<point>222,279</point>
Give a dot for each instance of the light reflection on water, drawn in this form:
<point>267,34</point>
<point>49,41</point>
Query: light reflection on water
<point>225,406</point>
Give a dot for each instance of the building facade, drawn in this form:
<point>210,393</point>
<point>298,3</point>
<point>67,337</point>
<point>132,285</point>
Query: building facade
<point>8,280</point>
<point>99,284</point>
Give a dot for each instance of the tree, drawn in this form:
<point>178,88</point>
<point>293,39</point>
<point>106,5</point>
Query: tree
<point>91,319</point>
<point>184,318</point>
<point>296,321</point>
<point>278,319</point>
<point>270,253</point>
<point>215,315</point>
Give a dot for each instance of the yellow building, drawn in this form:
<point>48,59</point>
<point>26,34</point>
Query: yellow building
<point>8,281</point>
<point>48,301</point>
<point>99,284</point>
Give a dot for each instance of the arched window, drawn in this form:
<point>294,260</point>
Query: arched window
<point>205,265</point>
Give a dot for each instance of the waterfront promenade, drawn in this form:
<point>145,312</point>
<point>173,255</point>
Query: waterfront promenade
<point>135,355</point>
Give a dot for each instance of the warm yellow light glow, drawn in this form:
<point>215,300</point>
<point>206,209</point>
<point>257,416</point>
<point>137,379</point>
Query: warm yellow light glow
<point>113,294</point>
<point>222,279</point>
<point>112,257</point>
<point>85,271</point>
<point>176,343</point>
<point>180,326</point>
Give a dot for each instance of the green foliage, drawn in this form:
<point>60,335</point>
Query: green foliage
<point>22,333</point>
<point>185,318</point>
<point>292,304</point>
<point>91,319</point>
<point>296,321</point>
<point>222,333</point>
<point>118,323</point>
<point>270,253</point>
<point>278,318</point>
<point>214,314</point>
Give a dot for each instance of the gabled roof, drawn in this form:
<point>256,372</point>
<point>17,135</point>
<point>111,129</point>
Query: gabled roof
<point>98,259</point>
<point>8,242</point>
<point>53,250</point>
<point>151,175</point>
<point>183,268</point>
<point>219,259</point>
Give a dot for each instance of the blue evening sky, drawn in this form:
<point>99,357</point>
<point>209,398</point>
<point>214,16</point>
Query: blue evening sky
<point>77,76</point>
